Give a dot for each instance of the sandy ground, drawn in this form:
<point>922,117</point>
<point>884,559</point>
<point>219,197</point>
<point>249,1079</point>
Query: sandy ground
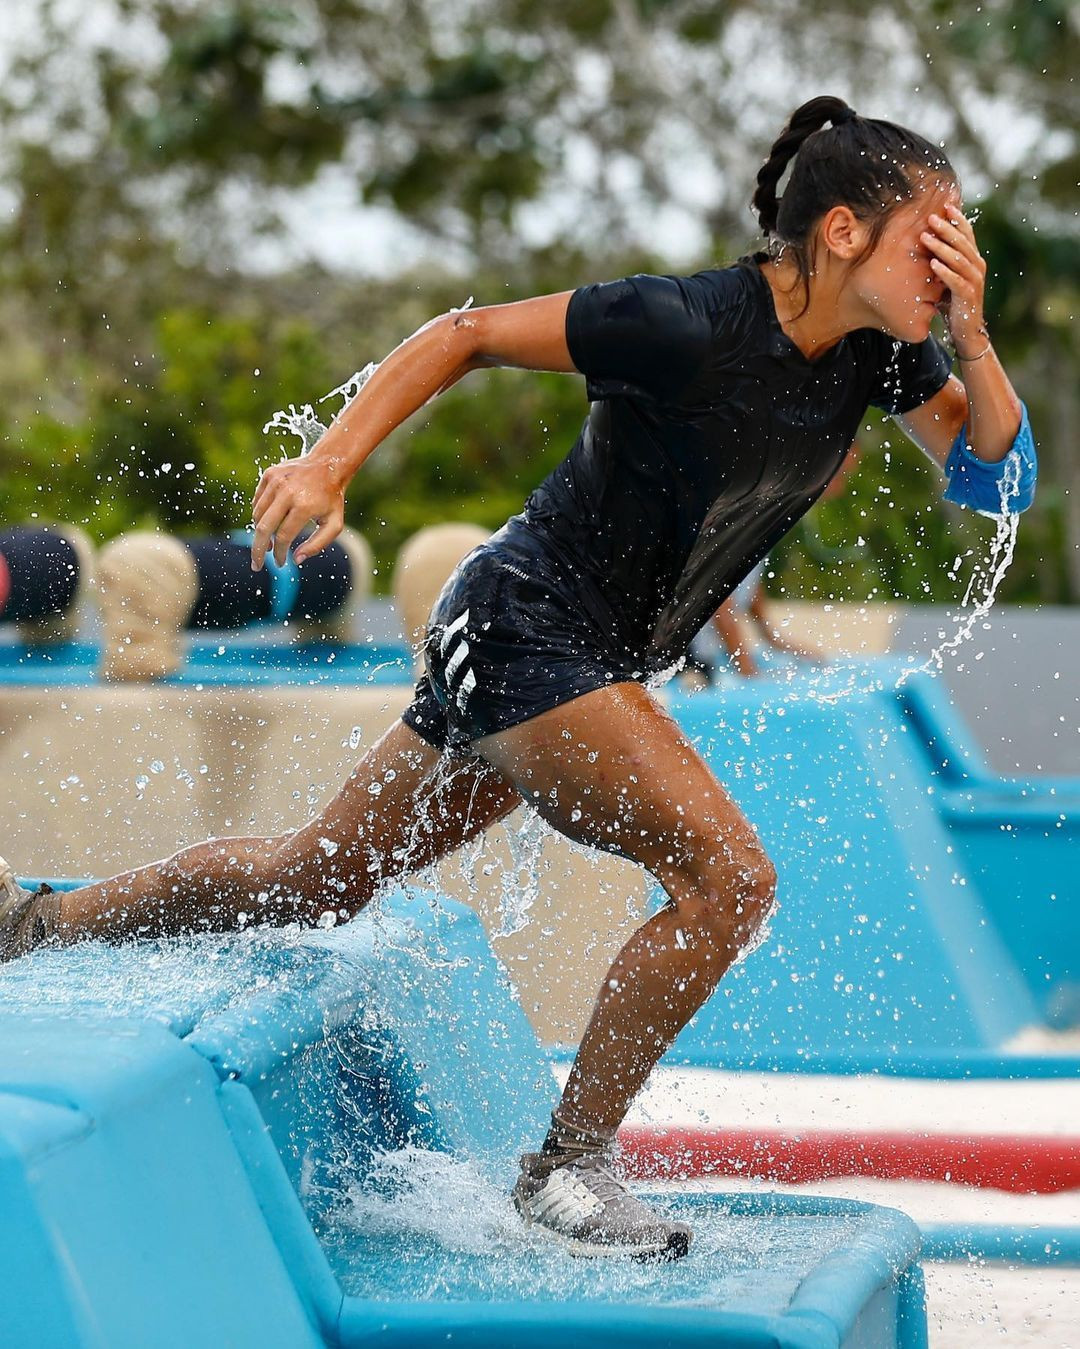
<point>970,1305</point>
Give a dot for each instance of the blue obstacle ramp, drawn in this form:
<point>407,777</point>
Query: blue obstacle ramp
<point>881,943</point>
<point>1019,842</point>
<point>398,1003</point>
<point>181,1175</point>
<point>125,1204</point>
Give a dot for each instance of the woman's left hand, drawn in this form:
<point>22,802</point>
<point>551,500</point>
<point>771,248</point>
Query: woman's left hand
<point>959,265</point>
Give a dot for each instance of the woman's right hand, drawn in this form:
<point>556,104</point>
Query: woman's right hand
<point>287,497</point>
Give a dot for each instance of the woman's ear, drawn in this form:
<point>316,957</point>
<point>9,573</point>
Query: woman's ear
<point>842,233</point>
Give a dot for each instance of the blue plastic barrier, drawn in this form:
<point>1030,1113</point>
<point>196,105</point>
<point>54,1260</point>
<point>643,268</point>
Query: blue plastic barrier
<point>987,1241</point>
<point>880,945</point>
<point>1020,844</point>
<point>179,1119</point>
<point>225,660</point>
<point>1019,840</point>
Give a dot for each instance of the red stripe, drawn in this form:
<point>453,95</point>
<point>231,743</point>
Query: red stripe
<point>1024,1164</point>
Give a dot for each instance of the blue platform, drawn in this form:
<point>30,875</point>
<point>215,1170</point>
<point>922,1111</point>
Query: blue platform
<point>226,659</point>
<point>194,1138</point>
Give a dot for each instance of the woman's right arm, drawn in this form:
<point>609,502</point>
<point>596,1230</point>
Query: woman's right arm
<point>526,334</point>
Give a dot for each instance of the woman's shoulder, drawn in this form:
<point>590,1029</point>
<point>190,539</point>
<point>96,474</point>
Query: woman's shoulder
<point>730,288</point>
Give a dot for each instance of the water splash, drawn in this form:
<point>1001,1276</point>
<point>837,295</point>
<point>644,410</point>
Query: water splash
<point>305,424</point>
<point>425,1226</point>
<point>986,575</point>
<point>521,881</point>
<point>980,593</point>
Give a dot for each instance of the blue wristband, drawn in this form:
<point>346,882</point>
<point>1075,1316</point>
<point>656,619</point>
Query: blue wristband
<point>284,580</point>
<point>994,489</point>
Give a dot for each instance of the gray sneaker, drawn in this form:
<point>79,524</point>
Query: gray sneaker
<point>582,1205</point>
<point>27,918</point>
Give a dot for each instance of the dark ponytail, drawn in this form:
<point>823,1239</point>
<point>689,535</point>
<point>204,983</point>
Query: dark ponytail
<point>860,162</point>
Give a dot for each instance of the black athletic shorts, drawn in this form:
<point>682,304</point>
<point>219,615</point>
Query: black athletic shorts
<point>513,633</point>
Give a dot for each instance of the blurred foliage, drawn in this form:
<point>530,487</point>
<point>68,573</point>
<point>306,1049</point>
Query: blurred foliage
<point>141,355</point>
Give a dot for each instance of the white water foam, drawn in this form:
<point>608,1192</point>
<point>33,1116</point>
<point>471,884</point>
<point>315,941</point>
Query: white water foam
<point>305,424</point>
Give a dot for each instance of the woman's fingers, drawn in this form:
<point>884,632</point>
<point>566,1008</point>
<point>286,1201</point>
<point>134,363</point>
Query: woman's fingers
<point>958,238</point>
<point>959,286</point>
<point>288,496</point>
<point>293,523</point>
<point>261,504</point>
<point>273,514</point>
<point>266,483</point>
<point>956,261</point>
<point>951,255</point>
<point>326,533</point>
<point>960,221</point>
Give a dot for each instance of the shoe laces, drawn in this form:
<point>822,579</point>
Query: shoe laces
<point>598,1179</point>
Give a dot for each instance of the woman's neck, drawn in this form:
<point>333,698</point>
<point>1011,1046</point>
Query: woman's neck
<point>827,318</point>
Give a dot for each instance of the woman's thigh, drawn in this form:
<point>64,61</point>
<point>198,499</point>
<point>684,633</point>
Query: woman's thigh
<point>613,769</point>
<point>403,807</point>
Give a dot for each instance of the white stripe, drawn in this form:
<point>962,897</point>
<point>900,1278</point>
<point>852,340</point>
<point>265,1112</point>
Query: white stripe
<point>449,631</point>
<point>455,660</point>
<point>467,686</point>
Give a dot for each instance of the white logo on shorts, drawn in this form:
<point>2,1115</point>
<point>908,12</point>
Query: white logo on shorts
<point>456,663</point>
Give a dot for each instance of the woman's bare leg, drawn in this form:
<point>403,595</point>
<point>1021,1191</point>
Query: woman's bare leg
<point>613,770</point>
<point>403,807</point>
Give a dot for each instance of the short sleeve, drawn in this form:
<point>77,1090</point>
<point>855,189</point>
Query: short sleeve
<point>909,373</point>
<point>643,334</point>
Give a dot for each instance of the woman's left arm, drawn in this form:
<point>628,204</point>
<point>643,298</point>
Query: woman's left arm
<point>985,402</point>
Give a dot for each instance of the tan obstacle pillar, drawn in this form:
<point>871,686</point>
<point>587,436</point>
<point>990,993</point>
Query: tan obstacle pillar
<point>148,586</point>
<point>421,570</point>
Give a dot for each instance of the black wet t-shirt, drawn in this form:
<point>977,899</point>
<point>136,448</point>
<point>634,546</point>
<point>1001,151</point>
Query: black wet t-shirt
<point>708,436</point>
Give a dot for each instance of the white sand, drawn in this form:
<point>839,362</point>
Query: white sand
<point>973,1307</point>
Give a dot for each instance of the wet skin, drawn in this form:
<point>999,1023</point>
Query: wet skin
<point>610,769</point>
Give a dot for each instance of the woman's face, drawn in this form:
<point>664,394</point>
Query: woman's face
<point>896,283</point>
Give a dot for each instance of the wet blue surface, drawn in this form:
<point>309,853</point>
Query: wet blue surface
<point>434,1239</point>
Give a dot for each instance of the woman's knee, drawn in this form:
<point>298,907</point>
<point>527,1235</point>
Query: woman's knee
<point>727,897</point>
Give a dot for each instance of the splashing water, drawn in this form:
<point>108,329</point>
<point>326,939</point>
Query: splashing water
<point>981,591</point>
<point>305,424</point>
<point>982,586</point>
<point>424,1225</point>
<point>521,881</point>
<point>986,576</point>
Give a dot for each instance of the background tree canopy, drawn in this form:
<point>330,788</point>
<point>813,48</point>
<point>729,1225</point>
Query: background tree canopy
<point>166,165</point>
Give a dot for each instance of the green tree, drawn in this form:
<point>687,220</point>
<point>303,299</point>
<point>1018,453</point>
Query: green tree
<point>143,162</point>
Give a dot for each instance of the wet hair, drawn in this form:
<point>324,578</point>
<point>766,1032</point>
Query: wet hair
<point>863,163</point>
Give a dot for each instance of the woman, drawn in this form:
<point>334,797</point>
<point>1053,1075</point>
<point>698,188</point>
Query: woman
<point>721,405</point>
